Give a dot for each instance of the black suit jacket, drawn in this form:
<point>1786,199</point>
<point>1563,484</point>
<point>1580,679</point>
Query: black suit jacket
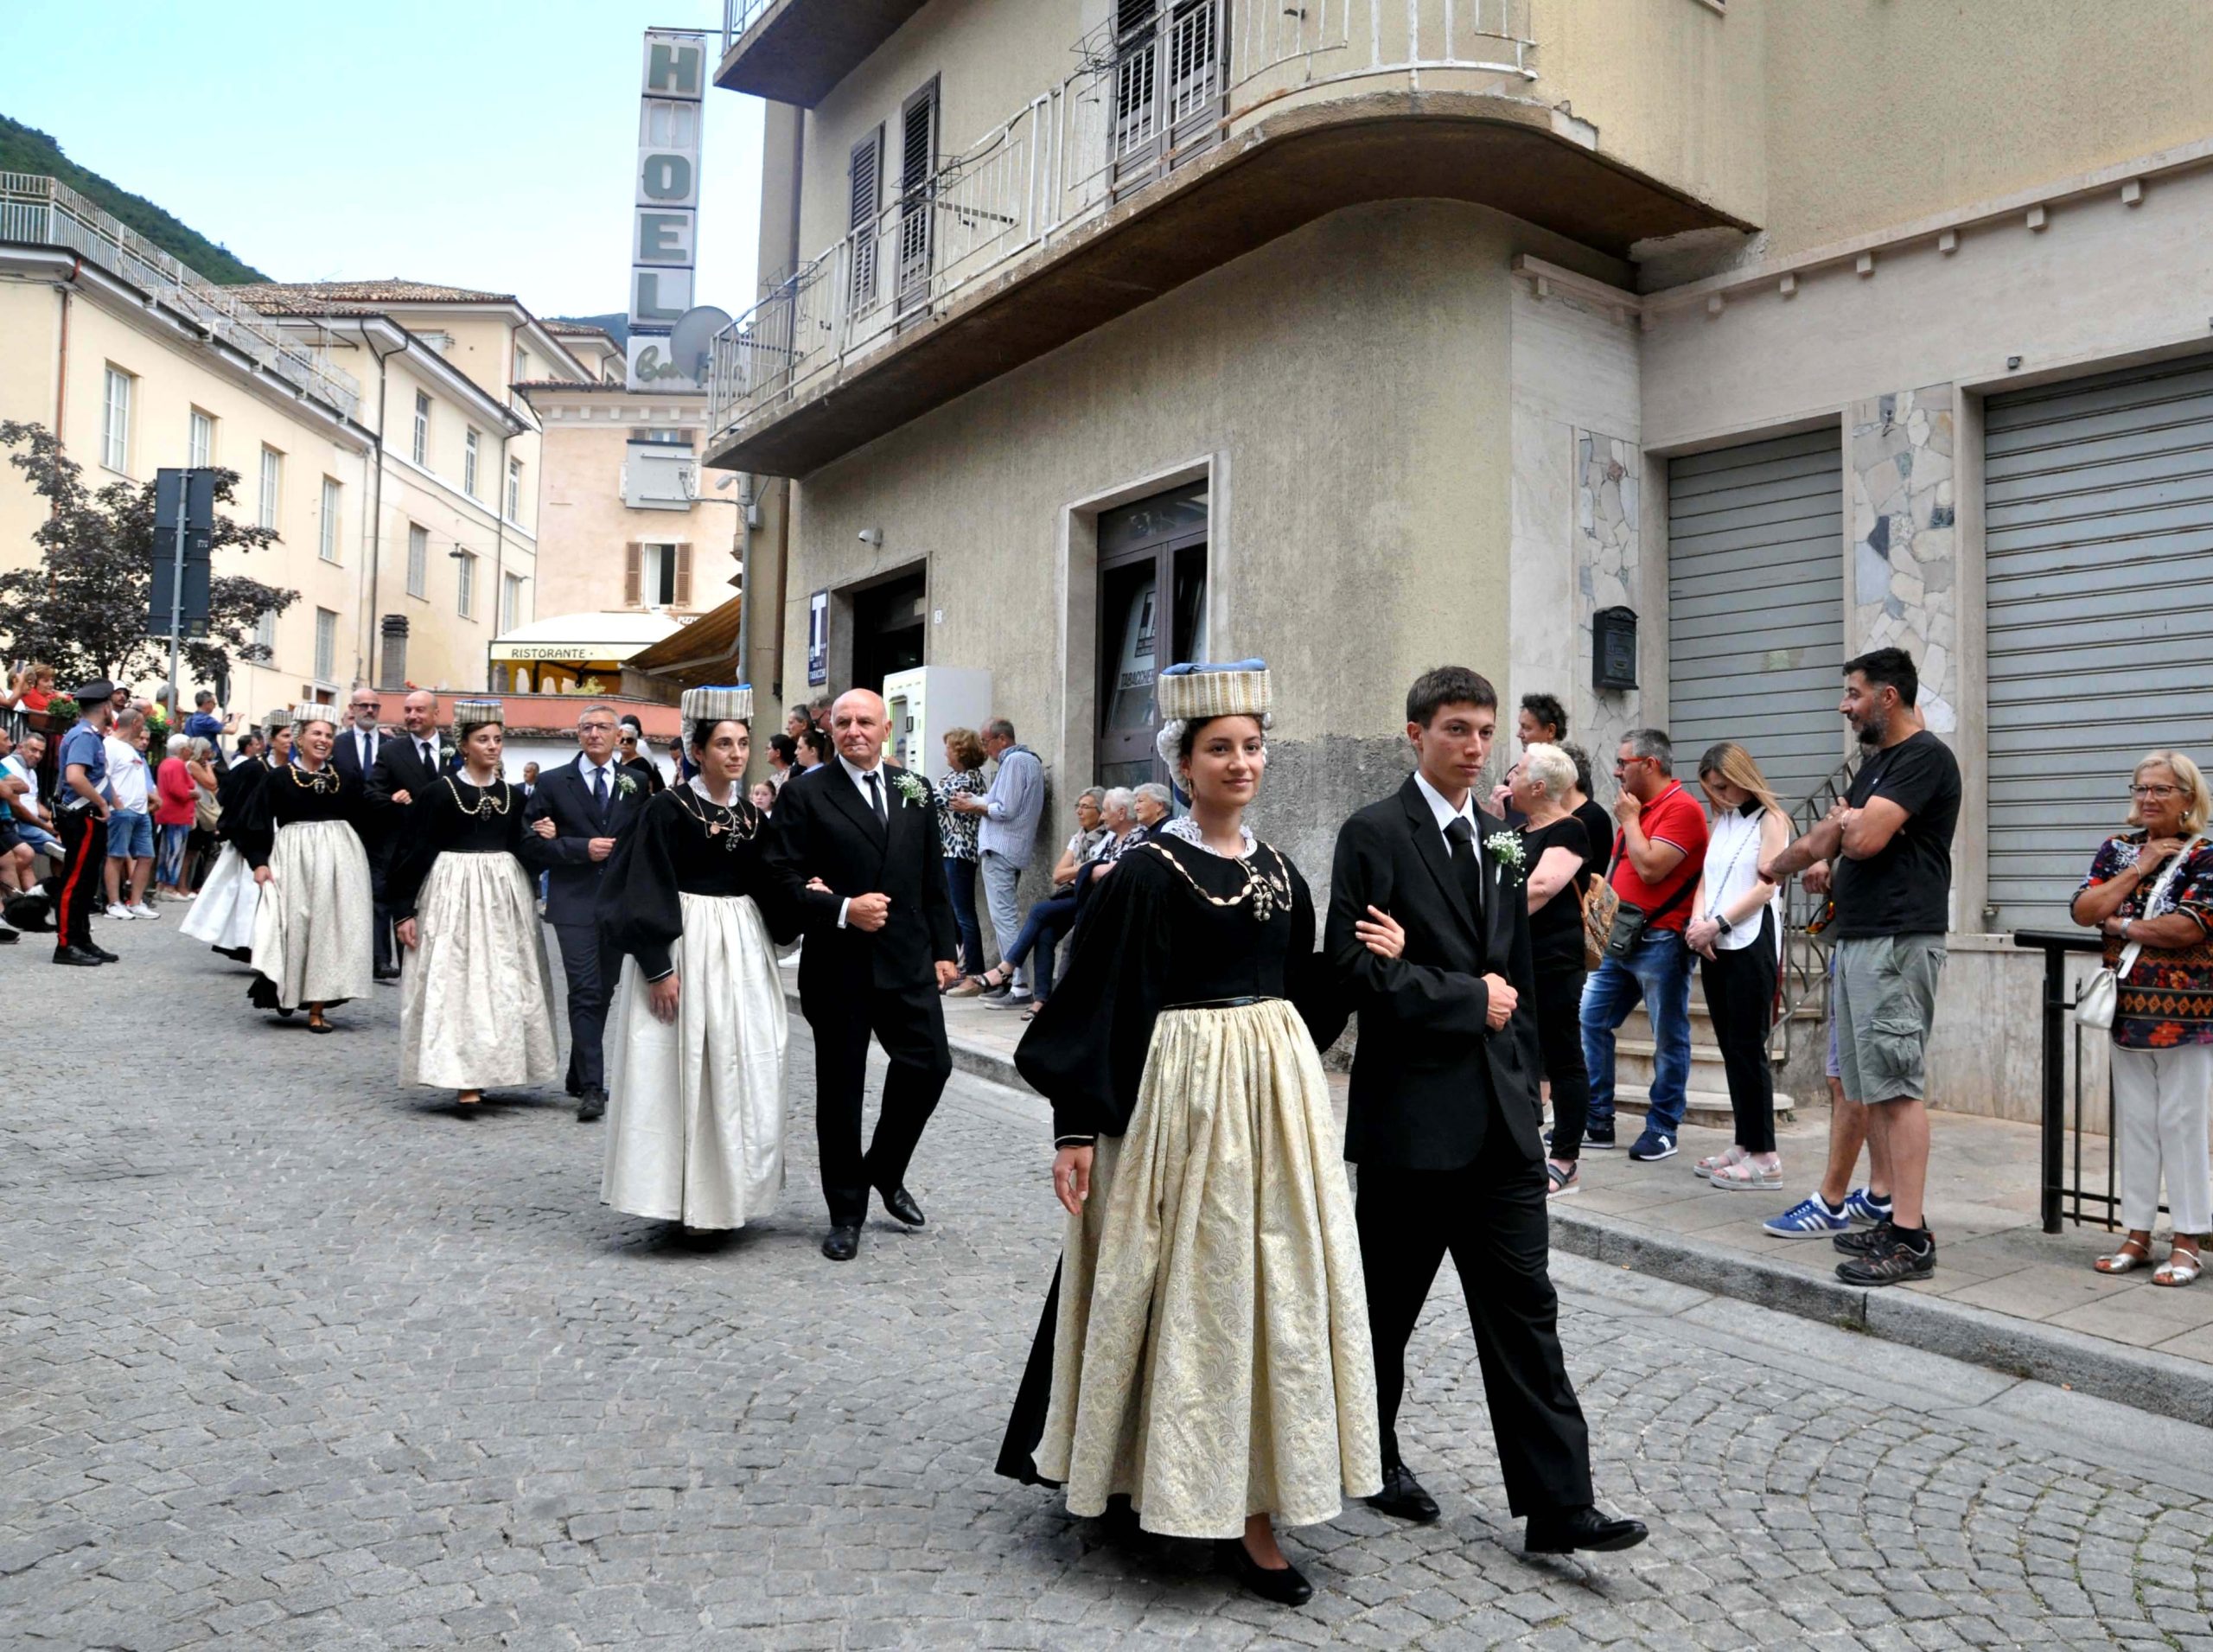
<point>1430,1080</point>
<point>373,827</point>
<point>823,827</point>
<point>398,770</point>
<point>563,796</point>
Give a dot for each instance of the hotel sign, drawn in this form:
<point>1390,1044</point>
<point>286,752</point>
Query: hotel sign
<point>665,236</point>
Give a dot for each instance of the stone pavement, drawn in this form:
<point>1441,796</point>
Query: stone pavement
<point>291,1357</point>
<point>2005,1292</point>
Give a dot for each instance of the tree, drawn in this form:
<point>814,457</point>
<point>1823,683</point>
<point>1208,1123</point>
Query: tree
<point>83,609</point>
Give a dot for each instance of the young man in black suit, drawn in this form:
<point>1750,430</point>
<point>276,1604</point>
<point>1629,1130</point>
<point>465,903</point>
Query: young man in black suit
<point>354,752</point>
<point>856,845</point>
<point>1443,1112</point>
<point>583,809</point>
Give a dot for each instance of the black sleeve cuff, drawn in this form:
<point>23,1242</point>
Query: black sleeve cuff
<point>1075,1141</point>
<point>654,962</point>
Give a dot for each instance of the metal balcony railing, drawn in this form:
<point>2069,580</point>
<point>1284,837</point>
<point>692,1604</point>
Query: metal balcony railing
<point>45,211</point>
<point>1153,89</point>
<point>738,16</point>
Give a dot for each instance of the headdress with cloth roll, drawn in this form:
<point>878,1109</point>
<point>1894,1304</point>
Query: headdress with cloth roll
<point>1194,694</point>
<point>280,718</point>
<point>308,712</point>
<point>718,703</point>
<point>474,714</point>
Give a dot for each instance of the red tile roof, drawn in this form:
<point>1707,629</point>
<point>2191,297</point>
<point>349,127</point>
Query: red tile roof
<point>356,298</point>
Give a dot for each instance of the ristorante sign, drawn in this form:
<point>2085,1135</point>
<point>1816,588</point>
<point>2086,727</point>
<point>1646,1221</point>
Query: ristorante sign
<point>664,239</point>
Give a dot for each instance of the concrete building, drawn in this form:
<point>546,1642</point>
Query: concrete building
<point>1369,334</point>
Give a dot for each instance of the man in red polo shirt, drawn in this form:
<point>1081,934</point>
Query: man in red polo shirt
<point>1658,853</point>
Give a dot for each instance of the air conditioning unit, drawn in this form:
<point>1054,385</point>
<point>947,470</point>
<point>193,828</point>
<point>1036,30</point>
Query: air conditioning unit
<point>659,476</point>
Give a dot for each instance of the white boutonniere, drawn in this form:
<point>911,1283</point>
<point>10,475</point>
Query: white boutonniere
<point>626,784</point>
<point>912,790</point>
<point>1505,848</point>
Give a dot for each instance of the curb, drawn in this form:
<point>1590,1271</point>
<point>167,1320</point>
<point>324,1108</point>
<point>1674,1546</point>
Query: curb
<point>2140,1378</point>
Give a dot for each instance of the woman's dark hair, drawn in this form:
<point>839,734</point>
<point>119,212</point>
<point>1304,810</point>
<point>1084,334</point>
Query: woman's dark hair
<point>1581,759</point>
<point>1187,741</point>
<point>785,747</point>
<point>816,742</point>
<point>1549,713</point>
<point>1447,686</point>
<point>702,729</point>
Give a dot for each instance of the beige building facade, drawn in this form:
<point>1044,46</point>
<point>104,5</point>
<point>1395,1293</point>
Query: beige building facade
<point>1366,334</point>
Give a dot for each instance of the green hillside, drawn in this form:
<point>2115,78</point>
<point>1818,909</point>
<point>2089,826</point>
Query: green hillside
<point>25,149</point>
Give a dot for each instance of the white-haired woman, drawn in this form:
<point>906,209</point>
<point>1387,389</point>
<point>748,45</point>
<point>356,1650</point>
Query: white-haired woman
<point>311,931</point>
<point>1557,852</point>
<point>176,802</point>
<point>2149,891</point>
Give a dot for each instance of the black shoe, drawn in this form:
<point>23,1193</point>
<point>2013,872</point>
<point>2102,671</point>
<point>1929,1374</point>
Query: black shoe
<point>590,1105</point>
<point>901,1204</point>
<point>1599,1136</point>
<point>1403,1498</point>
<point>843,1243</point>
<point>103,953</point>
<point>1894,1264</point>
<point>1562,1531</point>
<point>387,974</point>
<point>1287,1586</point>
<point>8,937</point>
<point>1866,1241</point>
<point>76,958</point>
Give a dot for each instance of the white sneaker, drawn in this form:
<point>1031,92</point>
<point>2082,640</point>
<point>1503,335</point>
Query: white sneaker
<point>143,909</point>
<point>116,909</point>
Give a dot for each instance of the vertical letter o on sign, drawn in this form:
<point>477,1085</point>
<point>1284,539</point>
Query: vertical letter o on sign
<point>668,177</point>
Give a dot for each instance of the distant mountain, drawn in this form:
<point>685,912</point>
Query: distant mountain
<point>616,326</point>
<point>25,149</point>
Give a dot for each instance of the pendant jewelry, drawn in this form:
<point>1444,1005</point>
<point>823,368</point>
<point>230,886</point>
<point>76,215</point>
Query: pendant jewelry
<point>485,807</point>
<point>1269,892</point>
<point>734,824</point>
<point>319,780</point>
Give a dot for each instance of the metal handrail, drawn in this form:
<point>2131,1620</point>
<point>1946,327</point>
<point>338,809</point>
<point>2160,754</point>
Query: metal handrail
<point>738,15</point>
<point>1805,955</point>
<point>2061,1200</point>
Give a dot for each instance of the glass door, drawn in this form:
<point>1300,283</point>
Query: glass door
<point>1152,584</point>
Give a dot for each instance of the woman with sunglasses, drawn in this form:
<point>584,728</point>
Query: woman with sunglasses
<point>634,754</point>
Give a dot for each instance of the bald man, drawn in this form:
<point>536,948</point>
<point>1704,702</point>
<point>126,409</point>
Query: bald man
<point>401,773</point>
<point>855,844</point>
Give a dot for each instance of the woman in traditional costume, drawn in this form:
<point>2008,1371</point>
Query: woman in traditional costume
<point>695,1039</point>
<point>1205,1351</point>
<point>311,929</point>
<point>476,993</point>
<point>223,915</point>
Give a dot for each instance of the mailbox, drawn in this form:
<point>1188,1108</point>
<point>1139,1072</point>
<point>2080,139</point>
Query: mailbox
<point>1613,649</point>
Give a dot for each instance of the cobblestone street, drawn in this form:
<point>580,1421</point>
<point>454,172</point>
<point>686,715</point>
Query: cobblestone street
<point>289,1356</point>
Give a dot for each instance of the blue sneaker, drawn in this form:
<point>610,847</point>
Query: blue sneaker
<point>1652,1146</point>
<point>1810,1218</point>
<point>1864,1207</point>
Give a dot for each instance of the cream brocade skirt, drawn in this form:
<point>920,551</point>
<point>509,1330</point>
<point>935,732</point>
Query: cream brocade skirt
<point>312,929</point>
<point>695,1109</point>
<point>223,915</point>
<point>476,993</point>
<point>1211,1358</point>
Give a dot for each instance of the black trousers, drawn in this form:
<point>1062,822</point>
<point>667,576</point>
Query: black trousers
<point>1491,1216</point>
<point>593,967</point>
<point>84,835</point>
<point>1559,1041</point>
<point>380,857</point>
<point>1740,996</point>
<point>910,1025</point>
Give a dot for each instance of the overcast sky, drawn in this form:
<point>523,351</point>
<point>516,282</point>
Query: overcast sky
<point>482,144</point>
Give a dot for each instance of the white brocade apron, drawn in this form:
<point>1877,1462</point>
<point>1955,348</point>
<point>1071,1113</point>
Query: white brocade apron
<point>223,915</point>
<point>477,991</point>
<point>312,930</point>
<point>695,1108</point>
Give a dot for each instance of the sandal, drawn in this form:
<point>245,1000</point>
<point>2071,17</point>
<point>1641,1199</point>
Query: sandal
<point>1745,1177</point>
<point>2181,1268</point>
<point>2132,1254</point>
<point>1560,1182</point>
<point>1705,1168</point>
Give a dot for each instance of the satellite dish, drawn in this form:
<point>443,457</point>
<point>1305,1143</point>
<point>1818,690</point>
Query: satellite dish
<point>692,342</point>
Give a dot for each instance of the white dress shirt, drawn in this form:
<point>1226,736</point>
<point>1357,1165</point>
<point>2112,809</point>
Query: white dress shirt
<point>858,775</point>
<point>1446,814</point>
<point>586,768</point>
<point>365,745</point>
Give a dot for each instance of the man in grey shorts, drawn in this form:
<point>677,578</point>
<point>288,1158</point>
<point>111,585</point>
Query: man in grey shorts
<point>1888,846</point>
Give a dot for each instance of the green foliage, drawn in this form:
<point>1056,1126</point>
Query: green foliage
<point>25,149</point>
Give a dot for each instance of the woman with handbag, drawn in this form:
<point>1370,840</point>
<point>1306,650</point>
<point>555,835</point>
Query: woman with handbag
<point>1738,936</point>
<point>2149,891</point>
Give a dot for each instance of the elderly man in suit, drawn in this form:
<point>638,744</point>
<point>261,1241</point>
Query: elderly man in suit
<point>1443,1112</point>
<point>354,752</point>
<point>856,845</point>
<point>581,810</point>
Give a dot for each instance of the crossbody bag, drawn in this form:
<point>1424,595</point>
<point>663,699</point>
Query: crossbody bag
<point>2098,1002</point>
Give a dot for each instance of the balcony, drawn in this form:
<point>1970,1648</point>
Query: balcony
<point>43,212</point>
<point>1209,128</point>
<point>793,51</point>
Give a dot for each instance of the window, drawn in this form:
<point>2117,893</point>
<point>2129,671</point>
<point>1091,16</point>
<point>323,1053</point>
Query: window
<point>468,444</point>
<point>418,561</point>
<point>863,199</point>
<point>199,450</point>
<point>657,576</point>
<point>515,490</point>
<point>1152,587</point>
<point>465,597</point>
<point>326,646</point>
<point>917,173</point>
<point>510,601</point>
<point>272,485</point>
<point>422,448</point>
<point>522,364</point>
<point>115,423</point>
<point>671,439</point>
<point>327,541</point>
<point>264,630</point>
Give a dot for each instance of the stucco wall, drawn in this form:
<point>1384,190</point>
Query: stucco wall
<point>585,525</point>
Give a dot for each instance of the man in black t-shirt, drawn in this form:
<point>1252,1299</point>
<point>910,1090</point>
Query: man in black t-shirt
<point>1888,847</point>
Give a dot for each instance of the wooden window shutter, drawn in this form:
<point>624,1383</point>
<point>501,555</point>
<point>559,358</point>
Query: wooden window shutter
<point>632,577</point>
<point>864,180</point>
<point>917,140</point>
<point>683,576</point>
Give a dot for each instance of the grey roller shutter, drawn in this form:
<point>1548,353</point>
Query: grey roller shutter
<point>1756,606</point>
<point>2098,548</point>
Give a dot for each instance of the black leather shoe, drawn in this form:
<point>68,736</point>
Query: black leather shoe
<point>1403,1498</point>
<point>1581,1528</point>
<point>843,1243</point>
<point>75,957</point>
<point>901,1204</point>
<point>591,1106</point>
<point>104,955</point>
<point>1286,1587</point>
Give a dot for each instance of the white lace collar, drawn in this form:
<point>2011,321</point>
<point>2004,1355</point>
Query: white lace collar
<point>699,785</point>
<point>1184,827</point>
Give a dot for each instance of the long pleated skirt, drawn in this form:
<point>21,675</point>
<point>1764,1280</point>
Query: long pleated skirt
<point>476,991</point>
<point>223,915</point>
<point>1210,1353</point>
<point>695,1108</point>
<point>312,930</point>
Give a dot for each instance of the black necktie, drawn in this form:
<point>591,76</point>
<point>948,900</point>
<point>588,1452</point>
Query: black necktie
<point>875,799</point>
<point>1462,836</point>
<point>599,791</point>
<point>423,753</point>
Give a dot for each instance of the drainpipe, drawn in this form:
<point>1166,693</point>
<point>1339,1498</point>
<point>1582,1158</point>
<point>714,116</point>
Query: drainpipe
<point>376,504</point>
<point>499,551</point>
<point>61,395</point>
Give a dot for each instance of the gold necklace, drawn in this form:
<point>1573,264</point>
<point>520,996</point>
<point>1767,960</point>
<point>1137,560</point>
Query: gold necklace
<point>1268,892</point>
<point>485,805</point>
<point>315,777</point>
<point>739,822</point>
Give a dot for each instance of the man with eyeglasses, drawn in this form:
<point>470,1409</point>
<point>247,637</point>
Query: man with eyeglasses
<point>354,753</point>
<point>1887,846</point>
